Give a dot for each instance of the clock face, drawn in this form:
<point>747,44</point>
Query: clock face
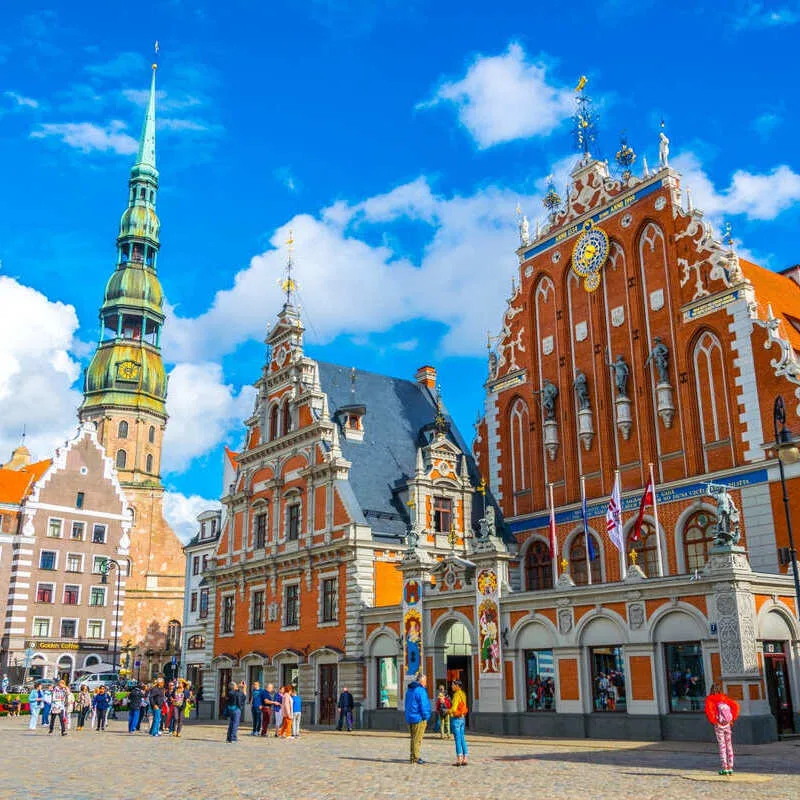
<point>128,371</point>
<point>589,255</point>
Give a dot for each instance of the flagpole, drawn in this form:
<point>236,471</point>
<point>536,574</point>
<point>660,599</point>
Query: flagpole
<point>553,536</point>
<point>623,555</point>
<point>585,531</point>
<point>655,520</point>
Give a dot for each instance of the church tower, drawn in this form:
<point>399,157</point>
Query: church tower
<point>124,394</point>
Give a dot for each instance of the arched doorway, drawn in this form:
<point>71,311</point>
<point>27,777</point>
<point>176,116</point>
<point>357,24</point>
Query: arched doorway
<point>455,641</point>
<point>65,668</point>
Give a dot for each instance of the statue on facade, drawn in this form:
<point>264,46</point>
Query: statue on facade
<point>663,149</point>
<point>727,532</point>
<point>581,387</point>
<point>487,525</point>
<point>524,231</point>
<point>621,373</point>
<point>659,355</point>
<point>549,393</point>
<point>412,539</point>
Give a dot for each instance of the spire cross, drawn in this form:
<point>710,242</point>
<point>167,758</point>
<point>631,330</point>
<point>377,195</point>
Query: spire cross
<point>289,285</point>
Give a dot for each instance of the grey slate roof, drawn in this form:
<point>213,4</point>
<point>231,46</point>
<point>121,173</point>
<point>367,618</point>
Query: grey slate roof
<point>398,415</point>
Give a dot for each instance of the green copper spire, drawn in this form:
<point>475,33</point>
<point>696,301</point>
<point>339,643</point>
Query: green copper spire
<point>127,371</point>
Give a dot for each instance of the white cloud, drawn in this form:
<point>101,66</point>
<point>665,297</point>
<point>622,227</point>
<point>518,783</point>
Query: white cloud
<point>506,97</point>
<point>761,15</point>
<point>765,124</point>
<point>203,409</point>
<point>181,512</point>
<point>89,137</point>
<point>122,65</point>
<point>756,196</point>
<point>37,370</point>
<point>21,101</point>
<point>286,178</point>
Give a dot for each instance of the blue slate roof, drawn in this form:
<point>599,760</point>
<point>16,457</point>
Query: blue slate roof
<point>399,416</point>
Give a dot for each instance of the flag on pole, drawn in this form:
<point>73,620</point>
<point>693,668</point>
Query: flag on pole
<point>614,517</point>
<point>591,553</point>
<point>552,525</point>
<point>647,500</point>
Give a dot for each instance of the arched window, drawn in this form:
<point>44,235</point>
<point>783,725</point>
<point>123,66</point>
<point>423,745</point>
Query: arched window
<point>520,453</point>
<point>286,419</point>
<point>698,536</point>
<point>577,561</point>
<point>149,463</point>
<point>273,423</point>
<point>151,434</point>
<point>711,386</point>
<point>122,459</point>
<point>122,430</point>
<point>173,634</point>
<point>196,642</point>
<point>538,567</point>
<point>646,549</point>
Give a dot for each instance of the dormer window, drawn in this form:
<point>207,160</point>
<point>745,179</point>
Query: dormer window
<point>442,514</point>
<point>352,422</point>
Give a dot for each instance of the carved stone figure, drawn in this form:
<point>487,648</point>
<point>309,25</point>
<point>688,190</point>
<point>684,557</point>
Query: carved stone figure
<point>412,539</point>
<point>663,149</point>
<point>524,231</point>
<point>727,532</point>
<point>549,393</point>
<point>581,387</point>
<point>621,373</point>
<point>659,355</point>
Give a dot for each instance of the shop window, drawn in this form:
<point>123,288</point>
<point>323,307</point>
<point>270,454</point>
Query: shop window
<point>698,537</point>
<point>577,561</point>
<point>442,514</point>
<point>608,678</point>
<point>388,682</point>
<point>538,567</point>
<point>685,678</point>
<point>540,680</point>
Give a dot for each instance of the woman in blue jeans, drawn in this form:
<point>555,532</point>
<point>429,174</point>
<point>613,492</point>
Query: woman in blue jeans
<point>236,701</point>
<point>458,718</point>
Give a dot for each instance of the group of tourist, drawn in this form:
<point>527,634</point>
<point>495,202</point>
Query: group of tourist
<point>277,710</point>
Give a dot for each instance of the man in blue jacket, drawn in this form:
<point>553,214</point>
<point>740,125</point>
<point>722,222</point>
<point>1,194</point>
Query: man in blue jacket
<point>418,711</point>
<point>256,696</point>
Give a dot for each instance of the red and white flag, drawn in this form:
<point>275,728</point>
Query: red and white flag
<point>614,517</point>
<point>647,500</point>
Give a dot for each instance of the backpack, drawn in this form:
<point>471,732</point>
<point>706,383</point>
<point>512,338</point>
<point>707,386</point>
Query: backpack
<point>724,714</point>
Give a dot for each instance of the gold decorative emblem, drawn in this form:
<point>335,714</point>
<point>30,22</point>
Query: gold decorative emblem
<point>589,255</point>
<point>128,371</point>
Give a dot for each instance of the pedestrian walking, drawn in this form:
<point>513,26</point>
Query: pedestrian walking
<point>156,697</point>
<point>418,711</point>
<point>236,702</point>
<point>58,707</point>
<point>35,704</point>
<point>287,712</point>
<point>4,684</point>
<point>178,704</point>
<point>100,703</point>
<point>297,709</point>
<point>722,712</point>
<point>144,707</point>
<point>47,701</point>
<point>345,706</point>
<point>268,707</point>
<point>256,696</point>
<point>458,712</point>
<point>443,706</point>
<point>84,704</point>
<point>198,699</point>
<point>277,713</point>
<point>70,706</point>
<point>134,708</point>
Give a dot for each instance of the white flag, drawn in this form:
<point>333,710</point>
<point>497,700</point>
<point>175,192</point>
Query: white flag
<point>614,517</point>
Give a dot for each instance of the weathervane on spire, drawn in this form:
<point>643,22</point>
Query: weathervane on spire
<point>551,200</point>
<point>156,48</point>
<point>625,157</point>
<point>585,119</point>
<point>288,285</point>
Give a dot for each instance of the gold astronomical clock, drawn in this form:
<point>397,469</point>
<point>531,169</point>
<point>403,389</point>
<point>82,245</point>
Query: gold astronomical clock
<point>128,371</point>
<point>589,255</point>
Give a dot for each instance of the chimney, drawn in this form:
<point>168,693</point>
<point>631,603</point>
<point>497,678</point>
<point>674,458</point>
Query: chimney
<point>793,273</point>
<point>426,376</point>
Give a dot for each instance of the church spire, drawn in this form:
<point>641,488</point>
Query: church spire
<point>147,142</point>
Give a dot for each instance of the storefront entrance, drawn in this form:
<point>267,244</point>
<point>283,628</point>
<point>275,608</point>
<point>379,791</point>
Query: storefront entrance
<point>328,686</point>
<point>224,680</point>
<point>778,691</point>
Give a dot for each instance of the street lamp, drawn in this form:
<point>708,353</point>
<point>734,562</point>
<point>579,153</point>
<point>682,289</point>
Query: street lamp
<point>788,453</point>
<point>109,564</point>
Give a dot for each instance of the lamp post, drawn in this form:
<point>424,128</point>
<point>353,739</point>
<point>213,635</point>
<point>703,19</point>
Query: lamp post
<point>109,564</point>
<point>788,453</point>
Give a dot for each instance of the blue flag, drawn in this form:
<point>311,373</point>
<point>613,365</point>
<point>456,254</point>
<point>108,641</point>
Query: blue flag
<point>591,553</point>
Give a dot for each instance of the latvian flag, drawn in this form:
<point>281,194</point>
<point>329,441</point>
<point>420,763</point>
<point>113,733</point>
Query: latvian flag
<point>647,500</point>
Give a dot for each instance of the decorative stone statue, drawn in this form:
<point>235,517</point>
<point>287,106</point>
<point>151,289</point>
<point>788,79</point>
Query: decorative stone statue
<point>621,373</point>
<point>659,355</point>
<point>663,149</point>
<point>581,387</point>
<point>549,393</point>
<point>412,539</point>
<point>524,231</point>
<point>727,532</point>
<point>491,524</point>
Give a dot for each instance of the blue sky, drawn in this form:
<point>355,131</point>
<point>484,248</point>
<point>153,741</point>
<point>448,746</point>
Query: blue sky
<point>395,138</point>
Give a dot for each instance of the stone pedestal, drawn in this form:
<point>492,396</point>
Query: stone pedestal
<point>624,419</point>
<point>585,428</point>
<point>565,581</point>
<point>551,442</point>
<point>665,403</point>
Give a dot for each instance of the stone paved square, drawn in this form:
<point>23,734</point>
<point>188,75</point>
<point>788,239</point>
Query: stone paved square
<point>326,765</point>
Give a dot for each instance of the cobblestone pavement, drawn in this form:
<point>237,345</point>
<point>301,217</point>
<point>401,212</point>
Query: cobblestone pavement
<point>325,764</point>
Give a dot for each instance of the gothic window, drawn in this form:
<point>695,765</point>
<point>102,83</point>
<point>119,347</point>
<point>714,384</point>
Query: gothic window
<point>149,463</point>
<point>698,536</point>
<point>286,419</point>
<point>520,449</point>
<point>173,634</point>
<point>273,423</point>
<point>151,434</point>
<point>442,514</point>
<point>538,567</point>
<point>646,549</point>
<point>122,459</point>
<point>712,401</point>
<point>577,561</point>
<point>196,642</point>
<point>122,430</point>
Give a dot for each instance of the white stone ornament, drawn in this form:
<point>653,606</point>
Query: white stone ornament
<point>556,257</point>
<point>626,221</point>
<point>617,316</point>
<point>657,300</point>
<point>547,345</point>
<point>660,203</point>
<point>581,331</point>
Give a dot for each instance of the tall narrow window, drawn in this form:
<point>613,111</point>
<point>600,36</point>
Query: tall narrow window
<point>293,521</point>
<point>149,463</point>
<point>203,603</point>
<point>286,421</point>
<point>226,623</point>
<point>520,453</point>
<point>698,536</point>
<point>646,548</point>
<point>291,606</point>
<point>538,567</point>
<point>122,430</point>
<point>260,538</point>
<point>273,423</point>
<point>122,459</point>
<point>151,434</point>
<point>257,611</point>
<point>79,498</point>
<point>329,592</point>
<point>577,561</point>
<point>442,514</point>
